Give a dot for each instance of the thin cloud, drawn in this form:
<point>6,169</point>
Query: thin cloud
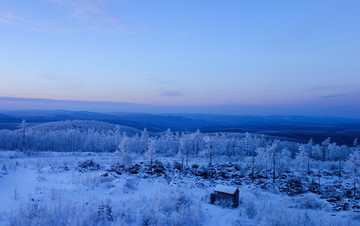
<point>95,16</point>
<point>83,5</point>
<point>82,15</point>
<point>4,20</point>
<point>171,93</point>
<point>82,9</point>
<point>47,76</point>
<point>33,24</point>
<point>327,88</point>
<point>9,18</point>
<point>335,96</point>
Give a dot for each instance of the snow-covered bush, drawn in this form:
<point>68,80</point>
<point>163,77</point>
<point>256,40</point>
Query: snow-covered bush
<point>130,185</point>
<point>104,212</point>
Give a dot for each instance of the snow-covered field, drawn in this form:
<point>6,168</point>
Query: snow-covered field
<point>94,189</point>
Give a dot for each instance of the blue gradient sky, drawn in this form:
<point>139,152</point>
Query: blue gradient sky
<point>272,54</point>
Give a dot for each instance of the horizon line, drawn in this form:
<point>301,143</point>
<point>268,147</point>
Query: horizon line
<point>24,103</point>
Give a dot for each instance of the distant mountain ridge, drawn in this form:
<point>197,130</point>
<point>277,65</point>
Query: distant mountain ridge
<point>310,109</point>
<point>57,115</point>
<point>342,130</point>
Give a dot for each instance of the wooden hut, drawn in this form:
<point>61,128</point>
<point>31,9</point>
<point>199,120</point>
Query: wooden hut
<point>225,196</point>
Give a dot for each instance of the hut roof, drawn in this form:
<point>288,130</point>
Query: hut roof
<point>225,189</point>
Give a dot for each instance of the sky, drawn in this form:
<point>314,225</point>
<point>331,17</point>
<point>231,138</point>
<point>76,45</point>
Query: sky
<point>287,57</point>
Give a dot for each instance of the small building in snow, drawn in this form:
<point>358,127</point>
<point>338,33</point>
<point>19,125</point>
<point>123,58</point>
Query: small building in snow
<point>225,196</point>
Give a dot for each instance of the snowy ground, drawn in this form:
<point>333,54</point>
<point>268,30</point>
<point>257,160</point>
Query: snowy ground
<point>52,189</point>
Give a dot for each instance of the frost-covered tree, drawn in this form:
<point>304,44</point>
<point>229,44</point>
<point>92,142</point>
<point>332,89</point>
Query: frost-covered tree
<point>117,135</point>
<point>284,160</point>
<point>262,159</point>
<point>221,146</point>
<point>247,141</point>
<point>252,154</point>
<point>233,144</point>
<point>92,138</point>
<point>184,149</point>
<point>302,160</point>
<point>252,162</point>
<point>23,132</point>
<point>124,153</point>
<point>195,138</point>
<point>324,146</point>
<point>338,153</point>
<point>149,154</point>
<point>209,146</point>
<point>309,148</point>
<point>352,165</point>
<point>272,150</point>
<point>169,141</point>
<point>317,152</point>
<point>144,139</point>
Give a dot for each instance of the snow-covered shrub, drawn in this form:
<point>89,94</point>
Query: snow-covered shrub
<point>170,207</point>
<point>104,212</point>
<point>224,159</point>
<point>130,185</point>
<point>56,212</point>
<point>88,165</point>
<point>247,203</point>
<point>177,165</point>
<point>294,186</point>
<point>88,180</point>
